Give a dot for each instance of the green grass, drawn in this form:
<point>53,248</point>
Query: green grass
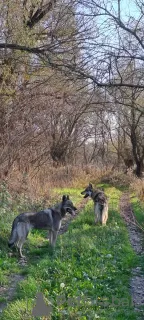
<point>9,209</point>
<point>138,209</point>
<point>87,275</point>
<point>75,194</point>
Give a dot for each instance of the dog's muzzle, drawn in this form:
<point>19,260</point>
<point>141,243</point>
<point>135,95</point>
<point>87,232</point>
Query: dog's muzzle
<point>86,195</point>
<point>73,213</point>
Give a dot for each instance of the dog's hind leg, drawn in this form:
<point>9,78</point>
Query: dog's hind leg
<point>103,220</point>
<point>22,231</point>
<point>19,245</point>
<point>21,242</point>
<point>104,215</point>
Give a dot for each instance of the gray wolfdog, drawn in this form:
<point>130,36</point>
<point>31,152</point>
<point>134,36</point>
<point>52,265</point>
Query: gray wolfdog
<point>48,219</point>
<point>100,203</point>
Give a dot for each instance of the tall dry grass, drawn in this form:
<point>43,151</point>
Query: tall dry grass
<point>118,178</point>
<point>39,184</point>
<point>137,185</point>
<point>129,180</point>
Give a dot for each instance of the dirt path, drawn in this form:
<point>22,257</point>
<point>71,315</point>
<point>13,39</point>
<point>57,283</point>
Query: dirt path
<point>8,293</point>
<point>137,240</point>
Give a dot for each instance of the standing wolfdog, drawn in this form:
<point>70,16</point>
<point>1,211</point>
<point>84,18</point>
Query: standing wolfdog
<point>100,203</point>
<point>49,219</point>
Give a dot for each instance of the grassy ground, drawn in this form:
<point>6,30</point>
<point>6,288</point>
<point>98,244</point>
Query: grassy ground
<point>138,209</point>
<point>9,208</point>
<point>86,277</point>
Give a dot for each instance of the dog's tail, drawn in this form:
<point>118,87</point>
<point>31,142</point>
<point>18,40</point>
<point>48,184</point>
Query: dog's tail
<point>13,236</point>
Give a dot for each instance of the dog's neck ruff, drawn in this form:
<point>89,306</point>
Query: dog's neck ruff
<point>95,193</point>
<point>63,212</point>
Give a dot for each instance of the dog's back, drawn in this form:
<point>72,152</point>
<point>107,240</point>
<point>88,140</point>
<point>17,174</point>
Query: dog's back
<point>22,224</point>
<point>49,219</point>
<point>100,207</point>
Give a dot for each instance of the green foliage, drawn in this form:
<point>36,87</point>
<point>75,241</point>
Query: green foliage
<point>86,276</point>
<point>138,209</point>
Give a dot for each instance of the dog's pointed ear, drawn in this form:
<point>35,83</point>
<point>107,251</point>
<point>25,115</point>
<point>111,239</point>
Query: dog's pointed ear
<point>64,198</point>
<point>67,197</point>
<point>90,185</point>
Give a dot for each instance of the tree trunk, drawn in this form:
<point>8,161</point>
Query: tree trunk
<point>139,169</point>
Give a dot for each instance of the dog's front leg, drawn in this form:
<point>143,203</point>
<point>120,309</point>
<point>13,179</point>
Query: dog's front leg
<point>96,212</point>
<point>55,233</point>
<point>96,219</point>
<point>51,236</point>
